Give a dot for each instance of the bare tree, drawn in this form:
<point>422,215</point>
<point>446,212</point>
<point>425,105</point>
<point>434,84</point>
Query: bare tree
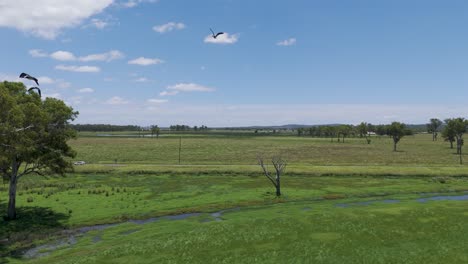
<point>280,165</point>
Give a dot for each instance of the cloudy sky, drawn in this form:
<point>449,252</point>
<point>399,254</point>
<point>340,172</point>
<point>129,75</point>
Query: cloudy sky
<point>279,62</point>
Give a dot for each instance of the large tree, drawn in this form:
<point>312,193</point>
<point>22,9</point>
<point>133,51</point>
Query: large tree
<point>433,127</point>
<point>458,126</point>
<point>33,136</point>
<point>363,130</point>
<point>155,130</point>
<point>448,133</point>
<point>396,130</point>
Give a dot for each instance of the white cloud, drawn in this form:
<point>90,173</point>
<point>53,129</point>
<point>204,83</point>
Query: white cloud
<point>73,68</point>
<point>36,53</point>
<point>157,101</point>
<point>45,80</point>
<point>190,87</point>
<point>47,18</point>
<point>133,3</point>
<point>10,78</point>
<point>169,27</point>
<point>116,100</point>
<point>98,23</point>
<point>107,56</point>
<point>86,90</point>
<point>287,42</point>
<point>165,93</point>
<point>63,56</point>
<point>225,38</point>
<point>69,56</point>
<point>142,61</point>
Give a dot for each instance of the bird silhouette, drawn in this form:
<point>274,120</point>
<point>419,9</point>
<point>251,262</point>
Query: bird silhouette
<point>217,34</point>
<point>27,76</point>
<point>36,88</point>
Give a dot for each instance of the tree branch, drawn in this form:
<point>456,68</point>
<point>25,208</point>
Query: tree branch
<point>265,171</point>
<point>24,128</point>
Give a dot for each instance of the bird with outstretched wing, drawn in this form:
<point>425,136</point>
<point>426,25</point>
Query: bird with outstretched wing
<point>37,89</point>
<point>217,34</point>
<point>29,77</point>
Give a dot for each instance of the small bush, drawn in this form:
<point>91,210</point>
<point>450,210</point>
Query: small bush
<point>30,200</point>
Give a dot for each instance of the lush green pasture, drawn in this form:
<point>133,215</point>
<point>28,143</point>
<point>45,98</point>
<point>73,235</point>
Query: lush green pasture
<point>418,150</point>
<point>311,232</point>
<point>304,226</point>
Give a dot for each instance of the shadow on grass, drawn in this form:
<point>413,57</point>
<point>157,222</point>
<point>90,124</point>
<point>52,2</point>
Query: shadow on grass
<point>32,223</point>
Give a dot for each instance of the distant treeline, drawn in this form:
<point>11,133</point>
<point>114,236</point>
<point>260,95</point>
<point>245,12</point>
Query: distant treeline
<point>105,128</point>
<point>361,130</point>
<point>187,128</point>
<point>117,128</point>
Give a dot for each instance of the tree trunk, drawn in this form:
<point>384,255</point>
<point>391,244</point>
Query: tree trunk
<point>451,144</point>
<point>394,146</point>
<point>11,214</point>
<point>278,186</point>
<point>12,201</point>
<point>11,210</point>
<point>461,160</point>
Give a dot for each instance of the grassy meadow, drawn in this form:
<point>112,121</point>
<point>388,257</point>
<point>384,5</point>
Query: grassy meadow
<point>324,215</point>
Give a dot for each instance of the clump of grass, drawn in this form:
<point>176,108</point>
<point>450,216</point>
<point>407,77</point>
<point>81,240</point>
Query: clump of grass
<point>30,200</point>
<point>440,179</point>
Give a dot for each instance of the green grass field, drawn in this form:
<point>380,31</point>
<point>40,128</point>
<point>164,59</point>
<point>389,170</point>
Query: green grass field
<point>305,225</point>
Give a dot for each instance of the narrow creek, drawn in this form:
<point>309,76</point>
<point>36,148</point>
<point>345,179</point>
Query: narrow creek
<point>73,235</point>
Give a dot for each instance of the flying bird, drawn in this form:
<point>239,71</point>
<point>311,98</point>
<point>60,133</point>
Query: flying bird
<point>35,88</point>
<point>217,34</point>
<point>27,76</point>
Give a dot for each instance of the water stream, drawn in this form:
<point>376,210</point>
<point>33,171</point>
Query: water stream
<point>44,250</point>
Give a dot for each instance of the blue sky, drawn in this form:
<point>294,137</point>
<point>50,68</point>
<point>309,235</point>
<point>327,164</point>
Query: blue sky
<point>311,62</point>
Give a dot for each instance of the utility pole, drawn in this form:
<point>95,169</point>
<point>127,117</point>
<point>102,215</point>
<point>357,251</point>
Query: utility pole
<point>180,147</point>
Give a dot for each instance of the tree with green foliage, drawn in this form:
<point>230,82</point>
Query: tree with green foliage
<point>155,130</point>
<point>458,126</point>
<point>344,131</point>
<point>300,131</point>
<point>381,130</point>
<point>363,130</point>
<point>396,130</point>
<point>433,127</point>
<point>33,136</point>
<point>448,133</point>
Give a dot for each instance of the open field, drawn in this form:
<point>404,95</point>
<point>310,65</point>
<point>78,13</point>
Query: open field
<point>310,222</point>
<point>418,150</point>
